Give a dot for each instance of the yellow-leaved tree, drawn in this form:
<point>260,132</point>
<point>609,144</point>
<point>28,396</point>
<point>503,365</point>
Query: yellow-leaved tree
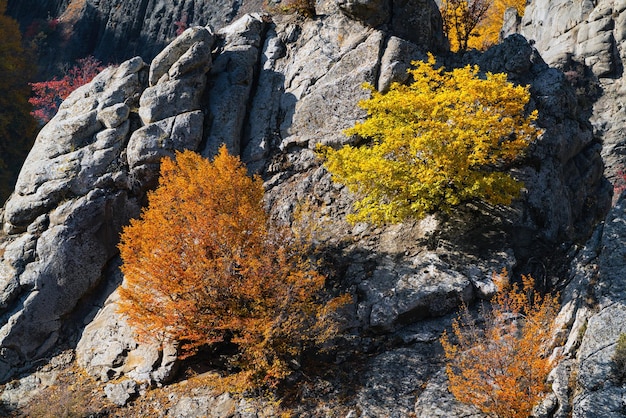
<point>446,139</point>
<point>203,265</point>
<point>502,368</point>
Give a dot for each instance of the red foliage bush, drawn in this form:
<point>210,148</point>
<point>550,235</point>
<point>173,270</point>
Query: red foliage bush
<point>181,25</point>
<point>48,95</point>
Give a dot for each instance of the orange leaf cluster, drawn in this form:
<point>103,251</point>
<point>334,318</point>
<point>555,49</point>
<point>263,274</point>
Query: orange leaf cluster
<point>475,23</point>
<point>460,19</point>
<point>502,369</point>
<point>488,30</point>
<point>203,265</point>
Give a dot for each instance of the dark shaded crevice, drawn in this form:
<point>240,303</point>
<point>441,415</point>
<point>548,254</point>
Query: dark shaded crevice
<point>25,11</point>
<point>379,60</point>
<point>140,19</point>
<point>234,10</point>
<point>244,138</point>
<point>618,72</point>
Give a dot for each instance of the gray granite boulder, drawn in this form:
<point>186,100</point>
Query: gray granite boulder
<point>108,349</point>
<point>84,178</point>
<point>63,219</point>
<point>230,83</point>
<point>178,76</point>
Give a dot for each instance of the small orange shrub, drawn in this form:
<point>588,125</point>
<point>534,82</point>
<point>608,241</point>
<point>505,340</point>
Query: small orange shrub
<point>475,23</point>
<point>503,369</point>
<point>203,265</point>
<point>305,8</point>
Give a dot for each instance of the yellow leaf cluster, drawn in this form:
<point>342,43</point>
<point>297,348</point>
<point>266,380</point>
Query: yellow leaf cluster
<point>443,140</point>
<point>502,369</point>
<point>203,265</point>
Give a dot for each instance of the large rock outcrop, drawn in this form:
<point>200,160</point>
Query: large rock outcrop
<point>82,181</point>
<point>586,383</point>
<point>114,31</point>
<point>272,91</point>
<point>588,41</point>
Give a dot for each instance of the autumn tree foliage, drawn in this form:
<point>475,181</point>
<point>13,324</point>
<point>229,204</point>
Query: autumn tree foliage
<point>203,266</point>
<point>48,95</point>
<point>447,138</point>
<point>502,368</point>
<point>488,29</point>
<point>475,23</point>
<point>460,19</point>
<point>17,127</point>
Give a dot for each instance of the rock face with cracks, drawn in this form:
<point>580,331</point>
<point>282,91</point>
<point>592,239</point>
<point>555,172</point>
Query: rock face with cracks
<point>271,91</point>
<point>587,40</point>
<point>84,178</point>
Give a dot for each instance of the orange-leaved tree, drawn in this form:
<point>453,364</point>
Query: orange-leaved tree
<point>488,29</point>
<point>203,265</point>
<point>502,368</point>
<point>460,19</point>
<point>475,23</point>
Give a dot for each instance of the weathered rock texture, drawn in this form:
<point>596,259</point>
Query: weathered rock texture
<point>115,30</point>
<point>272,91</point>
<point>587,39</point>
<point>586,383</point>
<point>82,181</point>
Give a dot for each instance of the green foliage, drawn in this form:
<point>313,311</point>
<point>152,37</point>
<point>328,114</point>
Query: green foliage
<point>17,127</point>
<point>446,139</point>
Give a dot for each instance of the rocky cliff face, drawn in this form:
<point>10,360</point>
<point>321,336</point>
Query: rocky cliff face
<point>271,90</point>
<point>114,31</point>
<point>117,30</point>
<point>588,41</point>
